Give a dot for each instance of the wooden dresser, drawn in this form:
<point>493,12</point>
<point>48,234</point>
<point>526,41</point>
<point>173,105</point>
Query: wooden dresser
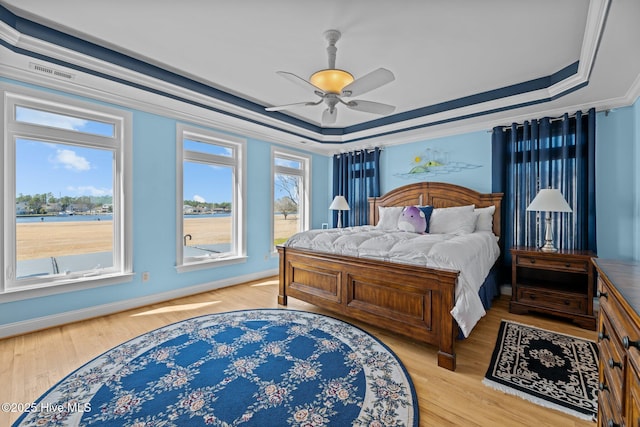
<point>619,342</point>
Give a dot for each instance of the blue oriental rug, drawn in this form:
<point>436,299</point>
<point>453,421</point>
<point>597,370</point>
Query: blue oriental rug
<point>270,367</point>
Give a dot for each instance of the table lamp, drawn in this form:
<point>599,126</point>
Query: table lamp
<point>339,204</point>
<point>549,200</point>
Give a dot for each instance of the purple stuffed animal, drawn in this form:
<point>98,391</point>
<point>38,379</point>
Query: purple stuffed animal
<point>412,219</point>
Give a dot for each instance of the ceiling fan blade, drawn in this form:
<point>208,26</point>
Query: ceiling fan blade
<point>368,82</point>
<point>371,107</point>
<point>301,82</point>
<point>294,105</point>
<point>329,117</point>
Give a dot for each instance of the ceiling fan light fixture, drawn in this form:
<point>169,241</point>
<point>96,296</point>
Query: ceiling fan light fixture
<point>331,80</point>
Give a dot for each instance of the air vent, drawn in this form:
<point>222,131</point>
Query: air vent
<point>51,71</point>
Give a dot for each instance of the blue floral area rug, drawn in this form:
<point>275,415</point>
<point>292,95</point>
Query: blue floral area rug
<point>270,367</point>
<point>547,368</point>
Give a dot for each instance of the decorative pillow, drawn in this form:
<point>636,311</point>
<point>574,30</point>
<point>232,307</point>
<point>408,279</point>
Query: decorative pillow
<point>485,218</point>
<point>388,217</point>
<point>412,219</point>
<point>454,220</point>
<point>427,215</point>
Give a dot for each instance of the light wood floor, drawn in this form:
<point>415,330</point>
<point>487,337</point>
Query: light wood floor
<point>30,364</point>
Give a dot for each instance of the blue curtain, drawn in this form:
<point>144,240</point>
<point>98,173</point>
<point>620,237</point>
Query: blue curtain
<point>356,177</point>
<point>547,153</point>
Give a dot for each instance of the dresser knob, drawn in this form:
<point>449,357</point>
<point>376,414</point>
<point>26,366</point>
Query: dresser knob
<point>603,336</point>
<point>614,364</point>
<point>603,387</point>
<point>603,295</point>
<point>612,423</point>
<point>626,342</point>
<point>567,265</point>
<point>533,261</point>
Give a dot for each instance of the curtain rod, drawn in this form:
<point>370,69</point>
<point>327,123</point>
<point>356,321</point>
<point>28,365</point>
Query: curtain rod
<point>368,150</point>
<point>551,120</point>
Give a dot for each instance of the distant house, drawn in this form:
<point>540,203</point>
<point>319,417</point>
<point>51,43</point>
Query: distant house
<point>53,208</point>
<point>22,208</point>
<point>106,208</point>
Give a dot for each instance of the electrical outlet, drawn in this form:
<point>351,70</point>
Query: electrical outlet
<point>145,276</point>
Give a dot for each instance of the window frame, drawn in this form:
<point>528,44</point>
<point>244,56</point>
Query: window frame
<point>304,173</point>
<point>238,164</point>
<point>12,288</point>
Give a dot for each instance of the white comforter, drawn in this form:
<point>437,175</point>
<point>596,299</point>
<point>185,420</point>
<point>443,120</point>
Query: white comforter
<point>472,254</point>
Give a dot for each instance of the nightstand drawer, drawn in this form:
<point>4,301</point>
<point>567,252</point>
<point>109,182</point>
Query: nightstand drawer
<point>552,264</point>
<point>568,303</point>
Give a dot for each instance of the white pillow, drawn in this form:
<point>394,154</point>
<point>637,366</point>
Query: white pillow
<point>485,218</point>
<point>454,220</point>
<point>388,217</point>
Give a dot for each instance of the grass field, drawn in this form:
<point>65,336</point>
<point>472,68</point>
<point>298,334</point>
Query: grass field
<point>53,239</point>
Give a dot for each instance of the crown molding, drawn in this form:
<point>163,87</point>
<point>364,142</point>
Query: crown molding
<point>175,96</point>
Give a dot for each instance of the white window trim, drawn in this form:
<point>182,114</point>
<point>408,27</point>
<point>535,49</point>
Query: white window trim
<point>239,195</point>
<point>305,173</point>
<point>122,271</point>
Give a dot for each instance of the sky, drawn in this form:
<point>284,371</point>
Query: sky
<point>62,169</point>
<point>68,170</point>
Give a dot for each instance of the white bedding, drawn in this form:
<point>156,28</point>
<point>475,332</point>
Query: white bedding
<point>472,254</point>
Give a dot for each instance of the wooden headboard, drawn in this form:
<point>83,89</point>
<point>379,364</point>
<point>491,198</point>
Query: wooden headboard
<point>438,195</point>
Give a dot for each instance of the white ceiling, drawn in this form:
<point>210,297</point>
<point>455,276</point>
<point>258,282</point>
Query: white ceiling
<point>439,50</point>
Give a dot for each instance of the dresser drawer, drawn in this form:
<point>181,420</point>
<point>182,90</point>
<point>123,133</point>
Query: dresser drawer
<point>578,266</point>
<point>611,374</point>
<point>607,416</point>
<point>633,388</point>
<point>565,302</point>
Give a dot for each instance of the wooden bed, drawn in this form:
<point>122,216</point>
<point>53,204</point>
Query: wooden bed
<point>406,299</point>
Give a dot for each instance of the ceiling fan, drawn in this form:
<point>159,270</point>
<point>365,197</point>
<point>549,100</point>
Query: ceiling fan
<point>332,85</point>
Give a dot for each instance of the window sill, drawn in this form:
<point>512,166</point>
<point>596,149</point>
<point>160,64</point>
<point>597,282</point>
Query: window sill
<point>210,263</point>
<point>61,286</point>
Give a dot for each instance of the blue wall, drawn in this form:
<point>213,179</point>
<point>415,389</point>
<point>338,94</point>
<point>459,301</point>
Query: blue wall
<point>154,223</point>
<point>618,183</point>
<point>471,150</point>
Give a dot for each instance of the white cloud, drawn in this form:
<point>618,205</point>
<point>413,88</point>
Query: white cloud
<point>70,160</point>
<point>89,190</point>
<point>199,199</point>
<point>50,119</point>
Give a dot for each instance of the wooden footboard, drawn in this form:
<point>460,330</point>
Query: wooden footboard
<point>409,300</point>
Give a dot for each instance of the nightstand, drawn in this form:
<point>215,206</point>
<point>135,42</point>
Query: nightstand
<point>558,283</point>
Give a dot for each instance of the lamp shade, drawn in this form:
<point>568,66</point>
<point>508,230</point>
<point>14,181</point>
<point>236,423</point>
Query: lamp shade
<point>339,204</point>
<point>549,200</point>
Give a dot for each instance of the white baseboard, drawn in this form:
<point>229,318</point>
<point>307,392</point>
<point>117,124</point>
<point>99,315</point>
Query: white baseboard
<point>25,326</point>
<point>505,289</point>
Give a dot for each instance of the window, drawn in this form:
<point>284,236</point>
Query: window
<point>209,200</point>
<point>65,212</point>
<point>290,195</point>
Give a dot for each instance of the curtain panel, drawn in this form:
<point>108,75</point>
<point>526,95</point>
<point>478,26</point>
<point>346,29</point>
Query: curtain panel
<point>356,176</point>
<point>547,153</point>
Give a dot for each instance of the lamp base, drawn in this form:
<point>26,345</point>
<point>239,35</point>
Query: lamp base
<point>548,247</point>
<point>548,237</point>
